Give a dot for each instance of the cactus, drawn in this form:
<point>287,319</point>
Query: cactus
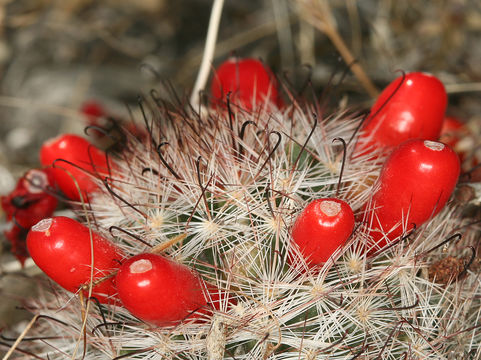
<point>231,183</point>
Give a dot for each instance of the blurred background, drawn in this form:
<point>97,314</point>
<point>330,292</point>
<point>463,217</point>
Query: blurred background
<point>58,56</point>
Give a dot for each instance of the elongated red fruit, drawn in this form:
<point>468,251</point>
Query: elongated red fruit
<point>89,162</point>
<point>415,183</point>
<point>322,227</point>
<point>61,247</point>
<point>410,107</point>
<point>30,202</point>
<point>158,290</point>
<point>248,80</point>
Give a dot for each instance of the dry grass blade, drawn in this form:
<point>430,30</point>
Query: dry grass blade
<point>318,13</point>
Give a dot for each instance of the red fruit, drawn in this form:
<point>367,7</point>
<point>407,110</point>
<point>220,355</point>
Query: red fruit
<point>26,205</point>
<point>248,80</point>
<point>61,247</point>
<point>414,185</point>
<point>453,133</point>
<point>17,237</point>
<point>321,228</point>
<point>93,112</point>
<point>31,201</point>
<point>410,107</point>
<point>158,290</point>
<point>80,152</point>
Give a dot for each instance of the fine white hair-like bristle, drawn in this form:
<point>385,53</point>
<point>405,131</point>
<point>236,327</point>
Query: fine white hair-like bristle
<point>233,183</point>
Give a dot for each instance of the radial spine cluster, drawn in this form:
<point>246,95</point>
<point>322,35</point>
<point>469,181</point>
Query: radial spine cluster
<point>221,190</point>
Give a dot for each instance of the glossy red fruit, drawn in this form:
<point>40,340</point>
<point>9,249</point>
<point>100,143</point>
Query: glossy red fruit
<point>321,228</point>
<point>75,149</point>
<point>30,202</point>
<point>61,247</point>
<point>249,81</point>
<point>158,290</point>
<point>410,107</point>
<point>414,185</point>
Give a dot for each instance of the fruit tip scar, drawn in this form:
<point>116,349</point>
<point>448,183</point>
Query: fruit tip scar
<point>434,145</point>
<point>140,266</point>
<point>330,208</point>
<point>43,226</point>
